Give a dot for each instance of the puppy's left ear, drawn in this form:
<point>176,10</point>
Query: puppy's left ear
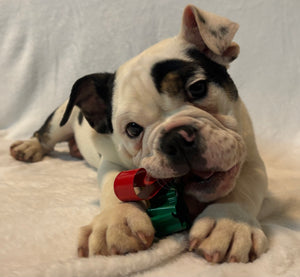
<point>211,34</point>
<point>93,95</point>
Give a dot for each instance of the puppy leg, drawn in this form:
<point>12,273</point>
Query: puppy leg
<point>228,230</point>
<point>120,228</point>
<point>74,150</point>
<point>44,139</point>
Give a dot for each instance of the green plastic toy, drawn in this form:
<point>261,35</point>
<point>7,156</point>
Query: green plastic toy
<point>164,217</point>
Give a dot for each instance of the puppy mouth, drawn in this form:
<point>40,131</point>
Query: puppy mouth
<point>209,181</point>
<point>204,186</point>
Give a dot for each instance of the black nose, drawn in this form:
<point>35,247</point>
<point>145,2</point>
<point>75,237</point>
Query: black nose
<point>180,143</point>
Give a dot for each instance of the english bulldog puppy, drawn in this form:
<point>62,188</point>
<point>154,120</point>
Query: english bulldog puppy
<point>175,111</point>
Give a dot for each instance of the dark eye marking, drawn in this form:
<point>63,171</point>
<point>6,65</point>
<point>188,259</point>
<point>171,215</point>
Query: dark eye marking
<point>133,130</point>
<point>161,69</point>
<point>197,90</point>
<point>172,75</point>
<point>215,73</point>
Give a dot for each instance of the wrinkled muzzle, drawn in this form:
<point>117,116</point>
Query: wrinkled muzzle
<point>202,154</point>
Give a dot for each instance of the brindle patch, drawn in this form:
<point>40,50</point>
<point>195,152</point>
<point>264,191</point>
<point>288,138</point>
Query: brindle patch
<point>173,84</point>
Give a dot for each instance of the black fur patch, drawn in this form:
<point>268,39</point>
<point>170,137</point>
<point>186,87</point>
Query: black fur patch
<point>42,133</point>
<point>215,72</point>
<point>93,95</point>
<point>172,71</point>
<point>171,75</point>
<point>80,118</point>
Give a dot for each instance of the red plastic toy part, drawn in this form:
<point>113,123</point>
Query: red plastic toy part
<point>136,185</point>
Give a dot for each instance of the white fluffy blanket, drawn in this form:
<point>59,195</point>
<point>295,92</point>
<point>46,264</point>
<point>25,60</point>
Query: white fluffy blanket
<point>44,204</point>
<point>46,45</point>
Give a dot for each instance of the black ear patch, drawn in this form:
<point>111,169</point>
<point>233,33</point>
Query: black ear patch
<point>93,95</point>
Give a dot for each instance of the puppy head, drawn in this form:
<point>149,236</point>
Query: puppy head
<point>174,108</point>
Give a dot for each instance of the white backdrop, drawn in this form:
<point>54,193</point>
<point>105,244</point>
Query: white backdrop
<point>47,45</point>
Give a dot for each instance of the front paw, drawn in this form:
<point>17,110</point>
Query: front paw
<point>232,239</point>
<point>28,150</point>
<point>122,229</point>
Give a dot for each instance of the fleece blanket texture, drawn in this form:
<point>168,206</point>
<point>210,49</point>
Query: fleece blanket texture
<point>44,204</point>
<point>47,45</point>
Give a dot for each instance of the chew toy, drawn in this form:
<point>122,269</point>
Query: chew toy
<point>137,185</point>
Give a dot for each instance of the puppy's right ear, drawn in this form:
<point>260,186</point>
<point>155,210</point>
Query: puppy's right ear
<point>93,95</point>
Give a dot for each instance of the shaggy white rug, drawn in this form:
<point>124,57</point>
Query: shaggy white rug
<point>43,204</point>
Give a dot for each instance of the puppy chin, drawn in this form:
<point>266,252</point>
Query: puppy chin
<point>216,186</point>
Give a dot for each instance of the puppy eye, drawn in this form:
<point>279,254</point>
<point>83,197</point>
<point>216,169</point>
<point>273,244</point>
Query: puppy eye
<point>133,130</point>
<point>197,90</point>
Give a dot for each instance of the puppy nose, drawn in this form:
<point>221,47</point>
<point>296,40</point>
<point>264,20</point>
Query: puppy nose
<point>180,142</point>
